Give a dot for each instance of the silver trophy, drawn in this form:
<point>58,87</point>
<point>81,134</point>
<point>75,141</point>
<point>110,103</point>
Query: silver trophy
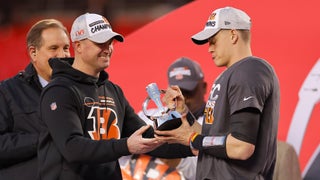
<point>161,115</point>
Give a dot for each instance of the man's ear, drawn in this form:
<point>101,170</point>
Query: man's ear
<point>77,46</point>
<point>234,36</point>
<point>32,51</point>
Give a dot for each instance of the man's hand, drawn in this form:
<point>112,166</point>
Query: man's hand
<point>174,99</point>
<point>179,135</point>
<point>139,145</point>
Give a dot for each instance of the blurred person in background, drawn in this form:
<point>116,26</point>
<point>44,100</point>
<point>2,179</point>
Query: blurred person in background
<point>188,76</point>
<point>19,100</point>
<point>287,163</point>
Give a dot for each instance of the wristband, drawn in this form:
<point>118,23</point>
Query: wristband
<point>196,141</point>
<point>209,141</point>
<point>213,145</point>
<point>192,136</point>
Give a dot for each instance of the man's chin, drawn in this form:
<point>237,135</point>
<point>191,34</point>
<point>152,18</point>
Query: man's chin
<point>105,65</point>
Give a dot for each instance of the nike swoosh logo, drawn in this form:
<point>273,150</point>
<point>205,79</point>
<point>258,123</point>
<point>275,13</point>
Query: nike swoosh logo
<point>247,98</point>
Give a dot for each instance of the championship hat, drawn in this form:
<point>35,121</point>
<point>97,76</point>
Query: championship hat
<point>93,27</point>
<point>223,18</point>
<point>185,73</point>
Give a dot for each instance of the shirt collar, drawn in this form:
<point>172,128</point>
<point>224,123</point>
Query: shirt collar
<point>43,82</point>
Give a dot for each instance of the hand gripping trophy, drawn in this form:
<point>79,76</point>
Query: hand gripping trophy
<point>163,117</point>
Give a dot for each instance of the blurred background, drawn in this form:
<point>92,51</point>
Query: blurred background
<point>17,16</point>
<point>124,15</point>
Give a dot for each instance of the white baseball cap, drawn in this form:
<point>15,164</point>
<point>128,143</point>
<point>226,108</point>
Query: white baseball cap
<point>223,18</point>
<point>93,27</point>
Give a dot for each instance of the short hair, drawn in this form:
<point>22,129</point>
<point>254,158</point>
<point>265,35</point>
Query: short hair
<point>34,35</point>
<point>245,35</point>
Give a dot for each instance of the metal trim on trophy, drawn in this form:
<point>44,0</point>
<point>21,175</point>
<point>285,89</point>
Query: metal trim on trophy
<point>163,117</point>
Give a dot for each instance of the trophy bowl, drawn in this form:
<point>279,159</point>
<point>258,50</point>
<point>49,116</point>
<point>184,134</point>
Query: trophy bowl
<point>170,124</point>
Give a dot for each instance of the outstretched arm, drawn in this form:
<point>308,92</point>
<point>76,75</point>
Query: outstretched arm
<point>139,145</point>
<point>239,144</point>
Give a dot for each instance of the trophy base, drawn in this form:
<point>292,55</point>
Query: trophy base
<point>170,124</point>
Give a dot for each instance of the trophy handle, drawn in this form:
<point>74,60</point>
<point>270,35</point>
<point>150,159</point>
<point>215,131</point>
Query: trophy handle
<point>163,117</point>
<point>154,115</point>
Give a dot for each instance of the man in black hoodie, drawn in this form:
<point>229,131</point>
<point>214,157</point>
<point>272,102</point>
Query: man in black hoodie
<point>87,123</point>
<point>19,100</point>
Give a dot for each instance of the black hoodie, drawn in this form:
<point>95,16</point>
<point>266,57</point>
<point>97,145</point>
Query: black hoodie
<point>83,120</point>
<point>85,125</point>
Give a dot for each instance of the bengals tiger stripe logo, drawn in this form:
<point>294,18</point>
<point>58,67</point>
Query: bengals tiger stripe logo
<point>104,123</point>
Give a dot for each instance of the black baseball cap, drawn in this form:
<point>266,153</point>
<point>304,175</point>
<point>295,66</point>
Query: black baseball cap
<point>185,73</point>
